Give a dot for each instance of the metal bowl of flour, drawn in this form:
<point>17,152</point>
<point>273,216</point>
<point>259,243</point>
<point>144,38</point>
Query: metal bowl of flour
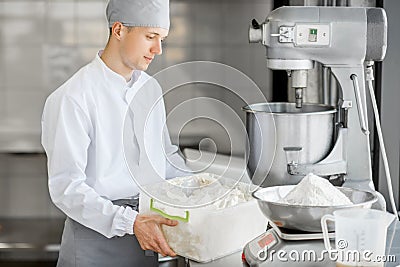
<point>305,218</point>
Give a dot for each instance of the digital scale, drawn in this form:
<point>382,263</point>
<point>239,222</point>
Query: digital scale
<point>282,246</point>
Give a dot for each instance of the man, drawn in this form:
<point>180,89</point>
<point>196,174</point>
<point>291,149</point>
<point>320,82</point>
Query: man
<point>82,134</point>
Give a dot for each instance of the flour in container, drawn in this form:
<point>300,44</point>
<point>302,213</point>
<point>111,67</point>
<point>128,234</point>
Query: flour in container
<point>315,191</point>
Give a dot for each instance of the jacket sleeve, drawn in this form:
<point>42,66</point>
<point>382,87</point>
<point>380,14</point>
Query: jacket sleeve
<point>66,137</point>
<point>175,163</point>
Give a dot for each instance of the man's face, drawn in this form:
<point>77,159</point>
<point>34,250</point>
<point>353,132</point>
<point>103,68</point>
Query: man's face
<point>140,45</point>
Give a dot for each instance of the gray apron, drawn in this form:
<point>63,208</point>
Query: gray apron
<point>84,247</point>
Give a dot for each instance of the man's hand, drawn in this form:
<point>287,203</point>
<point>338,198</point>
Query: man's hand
<point>147,229</point>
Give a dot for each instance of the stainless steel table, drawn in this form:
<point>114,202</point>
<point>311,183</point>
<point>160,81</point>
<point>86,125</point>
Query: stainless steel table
<point>235,260</point>
<point>30,239</point>
<point>232,260</point>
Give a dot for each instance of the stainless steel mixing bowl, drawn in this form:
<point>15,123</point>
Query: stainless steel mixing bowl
<point>305,218</point>
<point>273,127</point>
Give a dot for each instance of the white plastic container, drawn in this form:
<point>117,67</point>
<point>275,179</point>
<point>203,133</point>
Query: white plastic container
<point>208,233</point>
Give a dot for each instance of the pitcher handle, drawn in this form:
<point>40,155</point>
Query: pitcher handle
<point>325,231</point>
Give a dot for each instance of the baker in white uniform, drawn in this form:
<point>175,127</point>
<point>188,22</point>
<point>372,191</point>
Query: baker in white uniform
<point>82,134</point>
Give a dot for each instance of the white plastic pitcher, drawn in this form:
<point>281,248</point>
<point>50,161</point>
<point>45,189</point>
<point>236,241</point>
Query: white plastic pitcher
<point>360,236</point>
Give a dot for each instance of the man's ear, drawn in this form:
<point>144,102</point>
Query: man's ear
<point>117,30</point>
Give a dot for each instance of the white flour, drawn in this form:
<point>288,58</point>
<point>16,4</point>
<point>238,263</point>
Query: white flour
<point>211,231</point>
<point>316,191</point>
<point>201,188</point>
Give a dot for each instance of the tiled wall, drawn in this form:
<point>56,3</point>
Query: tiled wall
<point>23,187</point>
<point>42,43</point>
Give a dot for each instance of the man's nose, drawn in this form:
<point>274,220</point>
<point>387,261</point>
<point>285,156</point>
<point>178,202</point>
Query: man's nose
<point>157,48</point>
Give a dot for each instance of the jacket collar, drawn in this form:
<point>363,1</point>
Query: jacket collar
<point>113,77</point>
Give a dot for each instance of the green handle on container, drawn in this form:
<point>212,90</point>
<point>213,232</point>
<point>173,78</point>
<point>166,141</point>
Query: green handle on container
<point>166,215</point>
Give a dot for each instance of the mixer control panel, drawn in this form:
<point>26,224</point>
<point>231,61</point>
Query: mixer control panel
<point>312,35</point>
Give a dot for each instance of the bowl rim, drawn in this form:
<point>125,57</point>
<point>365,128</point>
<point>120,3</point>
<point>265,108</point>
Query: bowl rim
<point>252,108</point>
<point>373,199</point>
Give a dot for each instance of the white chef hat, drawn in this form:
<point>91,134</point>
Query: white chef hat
<point>141,13</point>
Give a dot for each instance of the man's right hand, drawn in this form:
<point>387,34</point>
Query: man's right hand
<point>147,229</point>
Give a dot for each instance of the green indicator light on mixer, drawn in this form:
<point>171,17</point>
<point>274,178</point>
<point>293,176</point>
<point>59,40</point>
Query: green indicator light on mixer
<point>312,36</point>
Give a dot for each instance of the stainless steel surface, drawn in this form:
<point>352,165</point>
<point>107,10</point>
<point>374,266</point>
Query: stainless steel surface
<point>30,239</point>
<point>362,118</point>
<point>23,188</point>
<point>310,128</point>
<point>48,45</point>
<point>299,82</point>
<point>171,261</point>
<point>312,251</point>
<point>334,165</point>
<point>390,108</point>
<point>296,235</point>
<point>30,225</point>
<point>234,260</point>
<point>304,218</point>
<point>36,242</point>
<point>299,97</point>
<point>322,35</point>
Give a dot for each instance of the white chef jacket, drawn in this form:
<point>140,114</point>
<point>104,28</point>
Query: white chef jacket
<point>82,134</point>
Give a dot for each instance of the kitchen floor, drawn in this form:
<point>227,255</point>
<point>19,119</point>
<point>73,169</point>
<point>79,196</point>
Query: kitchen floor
<point>30,225</point>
